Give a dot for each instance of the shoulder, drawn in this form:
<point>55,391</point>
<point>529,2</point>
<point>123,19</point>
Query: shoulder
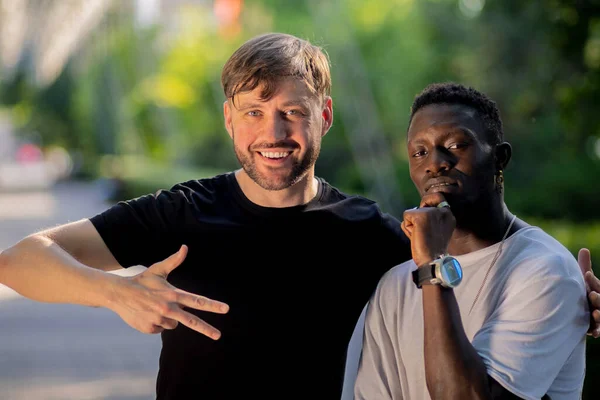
<point>181,196</point>
<point>535,262</point>
<point>396,282</point>
<point>543,253</point>
<point>353,206</point>
<point>205,189</point>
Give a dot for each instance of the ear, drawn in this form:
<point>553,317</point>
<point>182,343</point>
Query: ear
<point>503,155</point>
<point>327,114</point>
<point>227,117</point>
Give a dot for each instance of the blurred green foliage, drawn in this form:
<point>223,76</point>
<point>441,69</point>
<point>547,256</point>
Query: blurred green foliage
<point>146,93</point>
<point>154,95</point>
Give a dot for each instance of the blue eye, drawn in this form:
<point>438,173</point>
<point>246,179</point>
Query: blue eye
<point>253,113</point>
<point>294,113</point>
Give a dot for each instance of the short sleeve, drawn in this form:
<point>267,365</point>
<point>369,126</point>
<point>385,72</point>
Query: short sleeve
<point>537,329</point>
<point>138,231</point>
<point>378,374</point>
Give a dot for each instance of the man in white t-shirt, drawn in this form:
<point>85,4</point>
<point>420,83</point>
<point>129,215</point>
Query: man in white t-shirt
<point>489,307</point>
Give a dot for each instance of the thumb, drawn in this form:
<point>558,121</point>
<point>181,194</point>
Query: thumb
<point>164,267</point>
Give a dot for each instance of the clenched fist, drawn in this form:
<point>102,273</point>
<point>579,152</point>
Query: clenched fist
<point>429,228</point>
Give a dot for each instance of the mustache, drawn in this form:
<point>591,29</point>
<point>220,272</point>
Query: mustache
<point>280,144</point>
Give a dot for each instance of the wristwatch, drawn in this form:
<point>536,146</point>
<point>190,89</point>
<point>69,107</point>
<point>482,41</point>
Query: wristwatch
<point>444,270</point>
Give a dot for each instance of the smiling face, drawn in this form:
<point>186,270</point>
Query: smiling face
<point>277,140</point>
<point>449,152</point>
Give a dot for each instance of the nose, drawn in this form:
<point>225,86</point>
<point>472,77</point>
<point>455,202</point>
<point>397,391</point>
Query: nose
<point>439,160</point>
<point>274,129</point>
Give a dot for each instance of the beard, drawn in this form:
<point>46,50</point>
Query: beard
<point>278,178</point>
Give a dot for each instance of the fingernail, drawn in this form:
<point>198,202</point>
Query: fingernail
<point>224,308</point>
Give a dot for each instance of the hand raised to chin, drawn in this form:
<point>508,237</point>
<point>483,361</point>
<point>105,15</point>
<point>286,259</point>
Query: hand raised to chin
<point>429,228</point>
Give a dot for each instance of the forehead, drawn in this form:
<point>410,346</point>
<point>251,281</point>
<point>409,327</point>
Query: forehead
<point>287,89</point>
<point>442,118</point>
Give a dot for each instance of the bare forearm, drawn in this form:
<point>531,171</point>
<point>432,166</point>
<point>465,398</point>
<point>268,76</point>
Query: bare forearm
<point>39,269</point>
<point>453,368</point>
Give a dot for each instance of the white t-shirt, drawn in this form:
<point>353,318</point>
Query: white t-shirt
<point>528,325</point>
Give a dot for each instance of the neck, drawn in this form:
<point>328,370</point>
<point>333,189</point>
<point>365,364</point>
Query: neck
<point>472,235</point>
<point>300,193</point>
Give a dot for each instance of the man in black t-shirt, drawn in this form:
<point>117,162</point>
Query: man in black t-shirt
<point>289,274</point>
<point>265,259</point>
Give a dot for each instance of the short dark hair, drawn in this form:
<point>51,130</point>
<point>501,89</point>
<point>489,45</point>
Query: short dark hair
<point>455,93</point>
<point>267,58</point>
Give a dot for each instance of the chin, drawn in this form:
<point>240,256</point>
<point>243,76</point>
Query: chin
<point>275,182</point>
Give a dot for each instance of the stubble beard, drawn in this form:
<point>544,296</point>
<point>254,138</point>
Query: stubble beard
<point>282,181</point>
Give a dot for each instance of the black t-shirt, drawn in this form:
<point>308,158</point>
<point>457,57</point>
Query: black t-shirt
<point>296,280</point>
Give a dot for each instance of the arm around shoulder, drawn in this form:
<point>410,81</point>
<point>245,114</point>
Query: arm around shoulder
<point>534,342</point>
<point>68,264</point>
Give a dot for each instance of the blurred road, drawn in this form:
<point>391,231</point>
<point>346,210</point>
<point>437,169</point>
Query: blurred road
<point>52,351</point>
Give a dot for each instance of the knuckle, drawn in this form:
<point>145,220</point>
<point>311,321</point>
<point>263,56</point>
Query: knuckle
<point>171,296</point>
<point>200,301</point>
<point>163,308</point>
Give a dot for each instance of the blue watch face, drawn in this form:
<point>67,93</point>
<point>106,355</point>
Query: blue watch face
<point>451,272</point>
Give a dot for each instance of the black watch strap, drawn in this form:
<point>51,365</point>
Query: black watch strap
<point>423,275</point>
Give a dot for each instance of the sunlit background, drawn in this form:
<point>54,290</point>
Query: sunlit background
<point>106,100</point>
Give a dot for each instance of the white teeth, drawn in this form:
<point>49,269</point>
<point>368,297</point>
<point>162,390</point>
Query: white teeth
<point>271,154</point>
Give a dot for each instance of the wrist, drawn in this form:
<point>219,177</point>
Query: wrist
<point>110,290</point>
<point>445,271</point>
<point>427,259</point>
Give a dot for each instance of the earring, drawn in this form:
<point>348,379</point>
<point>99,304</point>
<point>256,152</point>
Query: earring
<point>499,181</point>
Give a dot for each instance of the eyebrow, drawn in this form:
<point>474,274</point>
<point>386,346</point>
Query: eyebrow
<point>246,106</point>
<point>298,103</point>
<point>449,132</point>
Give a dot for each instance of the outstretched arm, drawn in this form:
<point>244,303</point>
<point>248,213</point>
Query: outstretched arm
<point>67,265</point>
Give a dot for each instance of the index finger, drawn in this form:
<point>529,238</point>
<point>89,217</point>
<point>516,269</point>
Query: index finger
<point>432,199</point>
<point>201,303</point>
<point>193,322</point>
